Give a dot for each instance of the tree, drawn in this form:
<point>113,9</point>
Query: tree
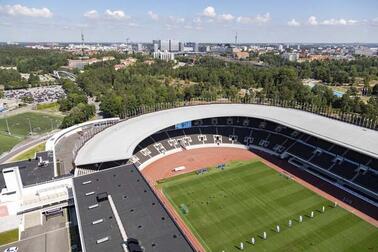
<point>33,79</point>
<point>112,105</point>
<point>375,90</point>
<point>80,113</point>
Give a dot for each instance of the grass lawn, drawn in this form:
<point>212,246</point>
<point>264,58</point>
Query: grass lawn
<point>247,198</point>
<point>8,236</point>
<point>7,142</point>
<point>30,153</point>
<point>20,128</point>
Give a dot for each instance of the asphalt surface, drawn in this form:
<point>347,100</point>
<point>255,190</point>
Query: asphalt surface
<point>24,146</point>
<point>52,236</point>
<point>52,241</point>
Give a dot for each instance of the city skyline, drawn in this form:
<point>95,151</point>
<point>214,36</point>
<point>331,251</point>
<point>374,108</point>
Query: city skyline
<point>202,21</point>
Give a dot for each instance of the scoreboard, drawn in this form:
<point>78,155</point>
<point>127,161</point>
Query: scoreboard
<point>184,125</point>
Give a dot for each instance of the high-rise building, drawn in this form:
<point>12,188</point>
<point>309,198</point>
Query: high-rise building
<point>173,45</point>
<point>155,45</point>
<point>181,46</point>
<point>164,45</point>
<point>139,47</point>
<point>195,47</point>
<point>280,48</point>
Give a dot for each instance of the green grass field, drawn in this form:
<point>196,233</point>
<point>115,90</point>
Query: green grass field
<point>30,153</point>
<point>20,128</point>
<point>247,198</point>
<point>8,236</point>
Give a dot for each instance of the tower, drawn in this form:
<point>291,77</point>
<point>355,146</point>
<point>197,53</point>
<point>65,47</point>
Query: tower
<point>82,43</point>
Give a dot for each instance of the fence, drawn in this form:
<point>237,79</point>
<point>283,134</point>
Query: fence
<point>326,111</point>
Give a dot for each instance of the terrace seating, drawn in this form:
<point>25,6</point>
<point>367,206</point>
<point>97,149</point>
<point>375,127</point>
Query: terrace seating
<point>301,150</point>
<point>323,160</point>
<point>208,131</point>
<point>344,169</point>
<point>368,180</point>
<point>319,143</point>
<point>225,132</point>
<point>356,157</point>
<point>337,149</point>
<point>374,164</point>
<point>193,133</point>
<point>160,137</point>
<point>316,153</point>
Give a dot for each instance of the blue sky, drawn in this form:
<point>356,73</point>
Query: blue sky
<point>190,20</point>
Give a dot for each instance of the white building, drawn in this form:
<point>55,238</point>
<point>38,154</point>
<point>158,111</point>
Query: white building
<point>291,56</point>
<point>166,56</point>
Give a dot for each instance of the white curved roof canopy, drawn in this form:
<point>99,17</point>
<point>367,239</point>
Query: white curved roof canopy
<point>119,141</point>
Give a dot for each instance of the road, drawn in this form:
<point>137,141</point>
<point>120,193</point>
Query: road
<point>24,146</point>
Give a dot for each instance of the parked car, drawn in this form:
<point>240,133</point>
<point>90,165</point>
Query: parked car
<point>11,249</point>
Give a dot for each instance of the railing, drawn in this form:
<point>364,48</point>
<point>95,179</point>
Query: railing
<point>326,111</point>
<point>94,127</point>
<point>93,130</point>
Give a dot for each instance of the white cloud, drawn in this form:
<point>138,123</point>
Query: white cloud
<point>259,19</point>
<point>20,10</point>
<point>333,21</point>
<point>293,22</point>
<point>176,20</point>
<point>116,14</point>
<point>209,11</point>
<point>153,15</point>
<point>312,20</point>
<point>340,21</point>
<point>226,17</point>
<point>133,24</point>
<point>374,21</point>
<point>197,20</point>
<point>91,14</point>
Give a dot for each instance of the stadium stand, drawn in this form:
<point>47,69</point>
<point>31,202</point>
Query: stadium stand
<point>330,161</point>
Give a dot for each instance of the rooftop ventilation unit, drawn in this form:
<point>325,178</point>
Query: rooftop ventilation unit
<point>102,196</point>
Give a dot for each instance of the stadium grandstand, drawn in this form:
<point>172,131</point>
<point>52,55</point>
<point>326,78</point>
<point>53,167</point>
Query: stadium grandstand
<point>342,155</point>
<point>119,209</point>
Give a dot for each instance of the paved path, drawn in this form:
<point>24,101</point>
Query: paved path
<point>28,143</point>
<point>52,241</point>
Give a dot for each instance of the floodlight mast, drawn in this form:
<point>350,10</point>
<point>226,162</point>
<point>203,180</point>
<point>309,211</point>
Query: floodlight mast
<point>6,122</point>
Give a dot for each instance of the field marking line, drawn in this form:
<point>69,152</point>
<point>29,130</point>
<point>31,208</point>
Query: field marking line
<point>320,192</point>
<point>185,220</point>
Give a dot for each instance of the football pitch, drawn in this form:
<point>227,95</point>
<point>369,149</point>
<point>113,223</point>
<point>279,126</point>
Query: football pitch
<point>226,207</point>
<point>20,126</point>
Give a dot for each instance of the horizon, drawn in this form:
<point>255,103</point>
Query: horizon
<point>201,21</point>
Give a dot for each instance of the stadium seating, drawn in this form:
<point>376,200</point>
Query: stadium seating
<point>320,156</point>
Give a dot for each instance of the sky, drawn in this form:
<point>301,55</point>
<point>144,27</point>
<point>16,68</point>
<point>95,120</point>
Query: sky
<point>265,21</point>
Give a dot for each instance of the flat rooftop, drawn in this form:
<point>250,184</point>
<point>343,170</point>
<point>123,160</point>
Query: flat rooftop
<point>30,172</point>
<point>142,215</point>
<point>119,141</point>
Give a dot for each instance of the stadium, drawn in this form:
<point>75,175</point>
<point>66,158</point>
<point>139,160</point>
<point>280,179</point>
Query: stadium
<point>334,159</point>
<point>226,177</point>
